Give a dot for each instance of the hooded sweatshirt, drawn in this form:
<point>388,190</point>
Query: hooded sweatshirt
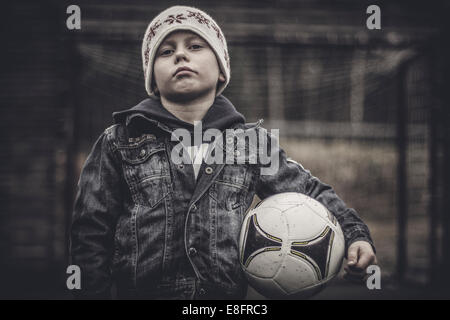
<point>221,115</point>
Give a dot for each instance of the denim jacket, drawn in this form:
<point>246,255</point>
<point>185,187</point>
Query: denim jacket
<point>144,223</point>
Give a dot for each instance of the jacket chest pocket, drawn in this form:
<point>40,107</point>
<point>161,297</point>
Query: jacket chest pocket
<point>229,197</point>
<point>147,172</point>
<point>230,188</point>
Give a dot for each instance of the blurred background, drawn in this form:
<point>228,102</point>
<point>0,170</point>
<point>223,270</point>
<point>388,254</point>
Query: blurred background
<point>364,110</point>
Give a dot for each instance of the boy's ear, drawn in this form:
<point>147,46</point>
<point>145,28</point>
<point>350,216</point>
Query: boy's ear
<point>155,90</point>
<point>221,77</point>
<point>154,87</point>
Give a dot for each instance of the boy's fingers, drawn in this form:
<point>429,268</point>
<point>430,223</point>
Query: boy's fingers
<point>359,256</point>
<point>365,259</point>
<point>354,272</point>
<point>352,256</point>
<point>375,261</point>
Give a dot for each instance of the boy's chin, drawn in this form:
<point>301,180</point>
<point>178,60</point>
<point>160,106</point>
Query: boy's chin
<point>187,95</point>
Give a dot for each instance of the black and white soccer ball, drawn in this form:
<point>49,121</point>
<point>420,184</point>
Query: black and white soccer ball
<point>290,246</point>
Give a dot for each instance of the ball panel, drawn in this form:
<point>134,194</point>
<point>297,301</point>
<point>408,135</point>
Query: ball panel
<point>318,208</point>
<point>295,273</point>
<point>272,222</point>
<point>316,251</point>
<point>303,224</point>
<point>308,292</point>
<point>266,287</point>
<point>336,255</point>
<point>256,240</point>
<point>265,263</point>
<point>285,201</point>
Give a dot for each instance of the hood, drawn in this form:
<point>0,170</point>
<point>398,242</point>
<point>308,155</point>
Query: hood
<point>221,115</point>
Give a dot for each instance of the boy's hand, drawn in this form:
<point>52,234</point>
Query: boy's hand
<point>360,255</point>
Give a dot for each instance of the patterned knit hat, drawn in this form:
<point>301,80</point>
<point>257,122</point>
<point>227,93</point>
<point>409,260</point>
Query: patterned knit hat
<point>183,18</point>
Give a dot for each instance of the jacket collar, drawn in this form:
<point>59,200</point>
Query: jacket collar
<point>221,115</point>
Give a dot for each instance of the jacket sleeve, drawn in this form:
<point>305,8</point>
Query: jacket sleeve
<point>96,208</point>
<point>292,177</point>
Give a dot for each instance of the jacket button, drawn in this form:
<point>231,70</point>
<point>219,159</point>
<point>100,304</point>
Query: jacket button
<point>192,251</point>
<point>202,291</point>
<point>194,207</point>
<point>181,166</point>
<point>143,152</point>
<point>209,170</point>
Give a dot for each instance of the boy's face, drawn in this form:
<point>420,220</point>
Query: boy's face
<point>185,49</point>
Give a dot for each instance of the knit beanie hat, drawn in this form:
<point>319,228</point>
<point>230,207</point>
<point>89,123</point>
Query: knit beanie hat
<point>183,18</point>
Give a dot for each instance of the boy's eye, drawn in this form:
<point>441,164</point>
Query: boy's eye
<point>196,46</point>
<point>166,52</point>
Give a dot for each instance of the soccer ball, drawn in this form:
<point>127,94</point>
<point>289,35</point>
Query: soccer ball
<point>290,246</point>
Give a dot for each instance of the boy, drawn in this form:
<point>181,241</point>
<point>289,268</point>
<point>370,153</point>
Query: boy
<point>160,228</point>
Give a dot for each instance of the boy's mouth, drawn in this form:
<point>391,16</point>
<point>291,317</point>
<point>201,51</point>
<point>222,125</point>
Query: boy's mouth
<point>183,70</point>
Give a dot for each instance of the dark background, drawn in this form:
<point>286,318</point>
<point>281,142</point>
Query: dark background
<point>366,111</point>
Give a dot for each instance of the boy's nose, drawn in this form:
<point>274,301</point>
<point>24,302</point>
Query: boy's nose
<point>180,54</point>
